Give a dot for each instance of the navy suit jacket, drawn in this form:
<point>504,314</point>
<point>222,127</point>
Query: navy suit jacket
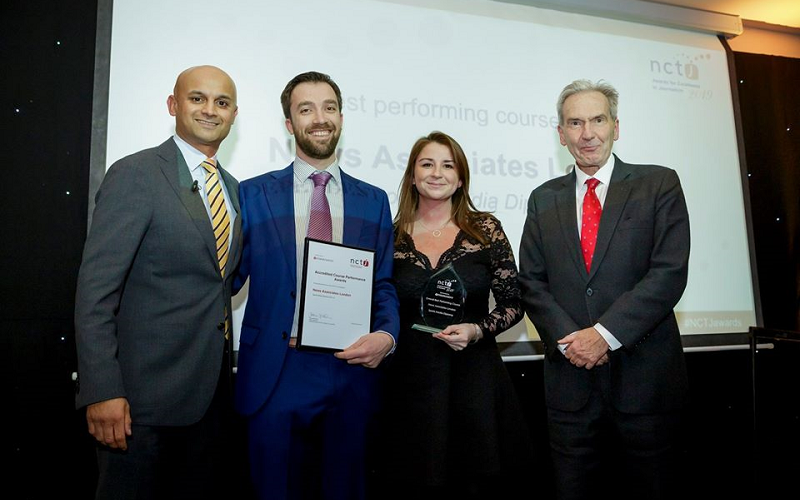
<point>638,274</point>
<point>269,260</point>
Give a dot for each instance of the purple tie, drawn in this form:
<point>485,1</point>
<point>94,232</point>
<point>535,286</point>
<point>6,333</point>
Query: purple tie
<point>319,220</point>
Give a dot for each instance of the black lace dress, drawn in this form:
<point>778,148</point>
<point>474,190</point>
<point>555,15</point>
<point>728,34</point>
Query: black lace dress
<point>453,415</point>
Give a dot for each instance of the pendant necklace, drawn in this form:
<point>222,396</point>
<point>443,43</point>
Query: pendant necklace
<point>435,232</point>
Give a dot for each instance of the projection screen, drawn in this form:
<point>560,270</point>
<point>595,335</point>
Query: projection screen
<point>488,73</point>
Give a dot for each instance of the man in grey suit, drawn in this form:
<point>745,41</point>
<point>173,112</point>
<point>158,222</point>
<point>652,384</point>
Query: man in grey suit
<point>153,302</point>
<point>603,262</point>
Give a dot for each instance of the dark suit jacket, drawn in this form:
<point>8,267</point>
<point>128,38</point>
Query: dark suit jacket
<point>150,298</point>
<point>269,260</point>
<point>638,274</point>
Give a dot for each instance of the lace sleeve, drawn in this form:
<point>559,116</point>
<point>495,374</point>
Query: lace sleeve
<point>505,287</point>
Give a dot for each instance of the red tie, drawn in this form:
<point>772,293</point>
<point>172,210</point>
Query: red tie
<point>591,221</point>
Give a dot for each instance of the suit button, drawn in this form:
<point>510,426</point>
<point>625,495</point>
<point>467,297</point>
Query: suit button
<point>589,292</point>
<point>292,294</point>
<point>220,326</point>
<point>284,335</point>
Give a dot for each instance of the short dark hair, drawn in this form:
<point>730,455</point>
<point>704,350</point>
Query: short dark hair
<point>308,77</point>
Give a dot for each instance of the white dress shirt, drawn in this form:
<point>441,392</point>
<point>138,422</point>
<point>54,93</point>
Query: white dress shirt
<point>303,189</point>
<point>194,160</point>
<point>603,175</point>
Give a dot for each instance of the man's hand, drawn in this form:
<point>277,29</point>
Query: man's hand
<point>109,422</point>
<point>585,348</point>
<point>369,350</point>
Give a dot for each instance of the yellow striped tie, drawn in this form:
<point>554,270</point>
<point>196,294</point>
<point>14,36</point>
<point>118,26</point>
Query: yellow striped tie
<point>220,221</point>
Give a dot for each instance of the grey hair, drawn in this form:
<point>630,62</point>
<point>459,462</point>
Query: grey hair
<point>586,86</point>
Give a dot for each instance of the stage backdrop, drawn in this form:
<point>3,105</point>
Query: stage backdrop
<point>485,72</point>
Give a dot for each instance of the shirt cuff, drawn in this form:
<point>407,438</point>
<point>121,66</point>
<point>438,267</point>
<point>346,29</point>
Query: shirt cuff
<point>563,347</point>
<point>613,343</point>
<point>394,342</point>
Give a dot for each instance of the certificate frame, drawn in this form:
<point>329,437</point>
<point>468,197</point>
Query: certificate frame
<point>335,295</point>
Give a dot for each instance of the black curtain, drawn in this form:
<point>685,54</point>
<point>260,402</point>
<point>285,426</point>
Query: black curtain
<point>47,51</point>
<point>769,99</point>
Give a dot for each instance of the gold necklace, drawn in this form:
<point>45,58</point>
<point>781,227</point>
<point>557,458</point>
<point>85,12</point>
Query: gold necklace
<point>435,232</point>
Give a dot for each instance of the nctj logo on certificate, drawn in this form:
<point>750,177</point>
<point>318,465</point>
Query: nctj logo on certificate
<point>359,262</point>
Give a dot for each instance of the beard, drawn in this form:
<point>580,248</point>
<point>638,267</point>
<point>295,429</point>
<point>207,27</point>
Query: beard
<point>315,149</point>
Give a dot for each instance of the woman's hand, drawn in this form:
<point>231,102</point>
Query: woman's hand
<point>460,336</point>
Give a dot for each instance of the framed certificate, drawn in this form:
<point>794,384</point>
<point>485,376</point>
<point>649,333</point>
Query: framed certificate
<point>336,295</point>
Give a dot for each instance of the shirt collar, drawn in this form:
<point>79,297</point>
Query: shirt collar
<point>603,174</point>
<point>303,170</point>
<point>191,155</point>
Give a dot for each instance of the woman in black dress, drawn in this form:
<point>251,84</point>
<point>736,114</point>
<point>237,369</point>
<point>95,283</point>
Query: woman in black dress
<point>455,426</point>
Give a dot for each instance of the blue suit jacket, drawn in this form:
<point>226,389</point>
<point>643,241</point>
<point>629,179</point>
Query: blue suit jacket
<point>269,260</point>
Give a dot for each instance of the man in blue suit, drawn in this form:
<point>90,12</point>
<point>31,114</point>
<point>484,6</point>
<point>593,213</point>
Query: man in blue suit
<point>309,413</point>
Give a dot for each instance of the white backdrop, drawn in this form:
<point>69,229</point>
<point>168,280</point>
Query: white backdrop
<point>486,73</point>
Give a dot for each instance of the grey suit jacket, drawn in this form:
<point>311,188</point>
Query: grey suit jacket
<point>639,272</point>
<point>150,301</point>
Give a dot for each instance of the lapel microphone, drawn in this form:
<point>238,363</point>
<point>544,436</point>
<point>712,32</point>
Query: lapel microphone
<point>195,187</point>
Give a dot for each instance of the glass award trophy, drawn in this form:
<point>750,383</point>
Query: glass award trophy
<point>442,301</point>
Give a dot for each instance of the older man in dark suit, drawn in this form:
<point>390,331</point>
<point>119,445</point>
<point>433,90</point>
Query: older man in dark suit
<point>153,303</point>
<point>603,262</point>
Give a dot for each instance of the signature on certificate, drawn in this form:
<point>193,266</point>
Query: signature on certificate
<point>323,318</point>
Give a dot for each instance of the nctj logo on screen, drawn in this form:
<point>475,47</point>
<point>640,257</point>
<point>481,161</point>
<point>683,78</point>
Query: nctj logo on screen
<point>681,75</point>
<point>686,68</point>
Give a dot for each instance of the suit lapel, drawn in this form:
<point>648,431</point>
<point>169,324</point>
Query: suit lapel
<point>616,197</point>
<point>279,199</point>
<point>177,173</point>
<point>236,236</point>
<point>352,195</point>
<point>229,183</point>
<point>568,221</point>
